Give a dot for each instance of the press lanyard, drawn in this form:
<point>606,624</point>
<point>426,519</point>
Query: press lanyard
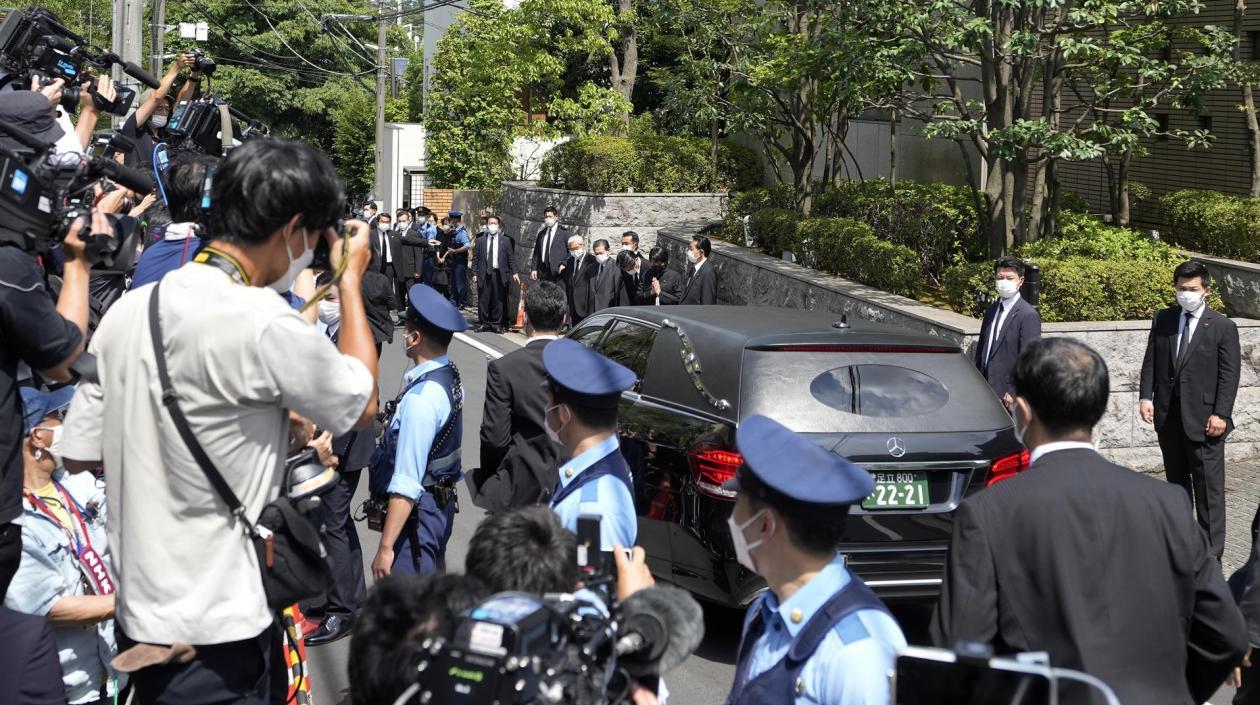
<point>90,562</point>
<point>223,262</point>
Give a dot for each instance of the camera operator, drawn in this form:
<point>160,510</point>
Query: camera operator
<point>185,183</point>
<point>400,614</point>
<point>239,358</point>
<point>147,125</point>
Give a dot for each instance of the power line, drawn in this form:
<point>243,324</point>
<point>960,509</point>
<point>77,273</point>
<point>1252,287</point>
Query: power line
<point>304,60</point>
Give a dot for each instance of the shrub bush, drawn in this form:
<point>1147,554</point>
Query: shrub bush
<point>649,164</point>
<point>1213,223</point>
<point>938,221</point>
<point>1091,272</point>
<point>849,248</point>
<point>773,230</point>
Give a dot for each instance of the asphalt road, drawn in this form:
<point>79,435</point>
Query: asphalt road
<point>704,679</point>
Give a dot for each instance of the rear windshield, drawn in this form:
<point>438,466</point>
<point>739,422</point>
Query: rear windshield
<point>826,392</point>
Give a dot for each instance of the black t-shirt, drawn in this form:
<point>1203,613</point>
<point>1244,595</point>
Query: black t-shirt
<point>31,331</point>
<point>142,156</point>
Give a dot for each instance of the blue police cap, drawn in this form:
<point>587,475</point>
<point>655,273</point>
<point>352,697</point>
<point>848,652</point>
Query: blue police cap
<point>37,404</point>
<point>783,467</point>
<point>455,214</point>
<point>584,375</point>
<point>435,309</point>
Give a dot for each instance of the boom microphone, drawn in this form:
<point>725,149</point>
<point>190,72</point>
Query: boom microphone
<point>141,75</point>
<point>660,627</point>
<point>132,179</point>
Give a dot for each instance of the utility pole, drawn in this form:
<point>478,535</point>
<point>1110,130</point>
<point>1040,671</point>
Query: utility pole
<point>158,42</point>
<point>381,68</point>
<point>128,38</point>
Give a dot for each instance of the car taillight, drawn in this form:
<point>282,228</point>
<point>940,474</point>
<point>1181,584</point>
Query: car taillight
<point>711,468</point>
<point>858,348</point>
<point>1007,467</point>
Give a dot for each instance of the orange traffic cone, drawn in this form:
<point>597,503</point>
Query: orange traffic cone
<point>520,311</point>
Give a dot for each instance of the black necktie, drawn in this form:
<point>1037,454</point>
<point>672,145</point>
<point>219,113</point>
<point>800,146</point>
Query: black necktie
<point>1185,337</point>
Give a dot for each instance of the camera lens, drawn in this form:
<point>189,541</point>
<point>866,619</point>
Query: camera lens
<point>205,65</point>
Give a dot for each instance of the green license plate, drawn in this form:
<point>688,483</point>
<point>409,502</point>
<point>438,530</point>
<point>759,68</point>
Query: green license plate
<point>898,490</point>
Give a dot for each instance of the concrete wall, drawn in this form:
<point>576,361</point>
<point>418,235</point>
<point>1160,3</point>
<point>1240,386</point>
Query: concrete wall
<point>746,277</point>
<point>1238,283</point>
<point>600,215</point>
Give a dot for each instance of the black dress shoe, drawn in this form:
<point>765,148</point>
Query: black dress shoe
<point>331,629</point>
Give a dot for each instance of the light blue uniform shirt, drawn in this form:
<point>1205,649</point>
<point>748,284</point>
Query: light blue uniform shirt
<point>607,497</point>
<point>851,664</point>
<point>420,415</point>
<point>428,231</point>
<point>49,571</point>
<point>462,238</point>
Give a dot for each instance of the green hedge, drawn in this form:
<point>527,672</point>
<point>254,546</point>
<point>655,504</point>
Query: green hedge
<point>1214,223</point>
<point>649,164</point>
<point>1091,272</point>
<point>773,230</point>
<point>938,221</point>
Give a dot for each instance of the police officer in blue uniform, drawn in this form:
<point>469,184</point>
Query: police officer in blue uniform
<point>417,464</point>
<point>818,635</point>
<point>582,416</point>
<point>461,241</point>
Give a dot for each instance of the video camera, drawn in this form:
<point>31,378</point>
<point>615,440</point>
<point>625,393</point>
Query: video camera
<point>43,193</point>
<point>521,649</point>
<point>970,673</point>
<point>210,126</point>
<point>34,43</point>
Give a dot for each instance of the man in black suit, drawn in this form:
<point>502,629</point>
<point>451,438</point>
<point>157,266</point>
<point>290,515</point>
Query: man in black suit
<point>550,248</point>
<point>701,286</point>
<point>1010,325</point>
<point>606,290</point>
<point>1245,585</point>
<point>630,243</point>
<point>494,263</point>
<point>1100,566</point>
<point>579,280</point>
<point>518,460</point>
<point>661,286</point>
<point>630,291</point>
<point>1189,382</point>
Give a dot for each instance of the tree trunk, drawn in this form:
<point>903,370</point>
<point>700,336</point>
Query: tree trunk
<point>624,71</point>
<point>1249,102</point>
<point>892,150</point>
<point>995,197</point>
<point>1121,217</point>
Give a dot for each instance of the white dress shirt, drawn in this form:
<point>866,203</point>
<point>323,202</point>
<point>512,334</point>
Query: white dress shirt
<point>1046,448</point>
<point>494,250</point>
<point>1193,322</point>
<point>994,334</point>
<point>389,255</point>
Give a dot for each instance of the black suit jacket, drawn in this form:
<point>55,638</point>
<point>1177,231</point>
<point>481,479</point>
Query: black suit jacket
<point>671,287</point>
<point>1021,327</point>
<point>28,660</point>
<point>482,266</point>
<point>518,461</point>
<point>606,290</point>
<point>559,249</point>
<point>414,245</point>
<point>1207,377</point>
<point>379,303</point>
<point>701,286</point>
<point>579,284</point>
<point>630,289</point>
<point>1102,567</point>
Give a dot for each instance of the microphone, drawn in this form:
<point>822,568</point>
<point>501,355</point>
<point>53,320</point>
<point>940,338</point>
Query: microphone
<point>132,179</point>
<point>660,627</point>
<point>141,75</point>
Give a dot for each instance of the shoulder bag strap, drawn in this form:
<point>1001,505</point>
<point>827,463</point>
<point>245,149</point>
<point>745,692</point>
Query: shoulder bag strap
<point>171,402</point>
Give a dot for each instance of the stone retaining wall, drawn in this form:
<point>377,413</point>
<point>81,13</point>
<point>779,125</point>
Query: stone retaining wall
<point>746,277</point>
<point>1238,283</point>
<point>600,215</point>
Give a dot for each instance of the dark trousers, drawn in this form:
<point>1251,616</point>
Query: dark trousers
<point>421,548</point>
<point>345,554</point>
<point>10,554</point>
<point>459,281</point>
<point>492,300</point>
<point>426,269</point>
<point>249,672</point>
<point>1199,468</point>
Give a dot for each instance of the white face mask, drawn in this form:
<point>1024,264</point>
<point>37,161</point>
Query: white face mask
<point>551,222</point>
<point>577,253</point>
<point>329,313</point>
<point>492,228</point>
<point>692,256</point>
<point>1190,301</point>
<point>743,549</point>
<point>1007,288</point>
<point>159,121</point>
<point>1019,432</point>
<point>601,258</point>
<point>554,435</point>
<point>54,448</point>
<point>296,265</point>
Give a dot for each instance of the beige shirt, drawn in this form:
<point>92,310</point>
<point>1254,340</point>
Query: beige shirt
<point>239,357</point>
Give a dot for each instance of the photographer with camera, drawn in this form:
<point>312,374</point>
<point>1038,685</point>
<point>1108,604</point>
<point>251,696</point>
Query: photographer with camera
<point>186,182</point>
<point>194,620</point>
<point>147,125</point>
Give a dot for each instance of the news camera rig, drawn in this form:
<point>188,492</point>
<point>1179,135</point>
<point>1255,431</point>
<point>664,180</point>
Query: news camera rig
<point>35,44</point>
<point>210,126</point>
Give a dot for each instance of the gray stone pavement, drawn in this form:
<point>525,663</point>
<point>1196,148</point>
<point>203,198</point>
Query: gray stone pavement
<point>1242,493</point>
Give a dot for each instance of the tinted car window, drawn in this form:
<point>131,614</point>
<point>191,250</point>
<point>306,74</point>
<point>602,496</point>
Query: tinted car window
<point>628,344</point>
<point>587,335</point>
<point>879,390</point>
<point>836,392</point>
